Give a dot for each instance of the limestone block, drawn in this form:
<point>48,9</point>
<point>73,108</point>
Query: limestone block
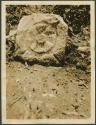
<point>42,38</point>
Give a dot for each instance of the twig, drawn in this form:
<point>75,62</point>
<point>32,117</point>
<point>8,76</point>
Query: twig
<point>16,101</point>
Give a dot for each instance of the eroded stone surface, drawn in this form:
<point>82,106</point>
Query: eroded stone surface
<point>42,38</point>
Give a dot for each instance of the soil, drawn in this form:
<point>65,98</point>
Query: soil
<point>49,92</point>
<point>39,92</point>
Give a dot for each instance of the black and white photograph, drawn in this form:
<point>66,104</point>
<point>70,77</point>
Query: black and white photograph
<point>48,62</point>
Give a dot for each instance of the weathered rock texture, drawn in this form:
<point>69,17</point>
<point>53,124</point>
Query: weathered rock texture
<point>42,38</point>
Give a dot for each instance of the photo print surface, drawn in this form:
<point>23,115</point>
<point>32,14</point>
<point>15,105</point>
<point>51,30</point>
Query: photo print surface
<point>48,61</point>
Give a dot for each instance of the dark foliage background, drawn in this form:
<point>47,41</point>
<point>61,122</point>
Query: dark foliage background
<point>75,16</point>
<point>77,19</point>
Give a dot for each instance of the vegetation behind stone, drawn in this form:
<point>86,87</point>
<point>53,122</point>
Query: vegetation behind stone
<point>77,19</point>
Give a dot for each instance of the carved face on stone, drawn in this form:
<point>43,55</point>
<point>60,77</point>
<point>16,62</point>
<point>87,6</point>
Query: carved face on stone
<point>41,34</point>
<point>40,38</point>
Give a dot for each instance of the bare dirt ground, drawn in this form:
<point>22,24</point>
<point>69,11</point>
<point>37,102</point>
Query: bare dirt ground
<point>39,92</point>
<point>50,92</point>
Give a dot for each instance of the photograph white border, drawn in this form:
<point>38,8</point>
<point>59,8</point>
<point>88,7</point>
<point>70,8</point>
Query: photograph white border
<point>3,63</point>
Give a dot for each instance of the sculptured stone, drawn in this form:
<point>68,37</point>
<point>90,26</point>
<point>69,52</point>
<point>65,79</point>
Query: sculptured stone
<point>41,38</point>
